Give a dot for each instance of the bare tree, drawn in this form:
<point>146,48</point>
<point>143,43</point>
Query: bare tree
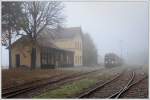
<point>37,16</point>
<point>11,12</point>
<point>32,18</point>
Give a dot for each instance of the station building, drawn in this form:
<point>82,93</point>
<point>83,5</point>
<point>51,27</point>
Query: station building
<point>60,47</point>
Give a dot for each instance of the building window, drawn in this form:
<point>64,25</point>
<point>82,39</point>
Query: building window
<point>49,57</point>
<point>67,59</point>
<point>80,59</point>
<point>76,59</point>
<point>75,45</point>
<point>78,44</point>
<point>44,56</point>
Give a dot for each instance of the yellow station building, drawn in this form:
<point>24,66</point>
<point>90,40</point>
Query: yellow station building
<point>55,48</point>
<point>71,39</point>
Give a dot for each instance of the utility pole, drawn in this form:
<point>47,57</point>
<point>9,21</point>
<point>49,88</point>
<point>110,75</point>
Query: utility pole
<point>121,48</point>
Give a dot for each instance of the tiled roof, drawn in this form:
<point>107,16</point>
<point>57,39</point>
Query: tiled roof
<point>40,42</point>
<point>61,33</point>
<point>47,36</point>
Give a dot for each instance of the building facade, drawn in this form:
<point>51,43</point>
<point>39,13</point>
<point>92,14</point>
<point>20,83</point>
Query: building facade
<point>55,48</point>
<point>73,43</point>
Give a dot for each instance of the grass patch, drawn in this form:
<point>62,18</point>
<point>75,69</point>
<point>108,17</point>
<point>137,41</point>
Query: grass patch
<point>68,89</point>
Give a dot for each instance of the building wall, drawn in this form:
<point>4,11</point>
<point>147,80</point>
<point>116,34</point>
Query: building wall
<point>25,55</point>
<point>24,52</point>
<point>78,50</point>
<point>73,44</point>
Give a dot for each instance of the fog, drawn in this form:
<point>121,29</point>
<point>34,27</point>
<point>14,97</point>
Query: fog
<point>119,27</point>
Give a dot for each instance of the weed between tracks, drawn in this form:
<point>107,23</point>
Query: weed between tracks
<point>76,87</point>
<point>68,89</point>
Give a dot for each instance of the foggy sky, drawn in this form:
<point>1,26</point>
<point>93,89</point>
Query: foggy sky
<point>111,22</point>
<point>108,23</point>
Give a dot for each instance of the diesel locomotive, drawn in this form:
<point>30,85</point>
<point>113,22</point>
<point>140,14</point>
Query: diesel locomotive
<point>112,60</point>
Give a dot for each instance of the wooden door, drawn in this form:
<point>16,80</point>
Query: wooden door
<point>17,60</point>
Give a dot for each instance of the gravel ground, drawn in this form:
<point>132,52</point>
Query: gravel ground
<point>17,76</point>
<point>20,76</point>
<point>82,68</point>
<point>43,89</point>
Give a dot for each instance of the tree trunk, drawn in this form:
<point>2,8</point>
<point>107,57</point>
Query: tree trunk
<point>33,58</point>
<point>9,49</point>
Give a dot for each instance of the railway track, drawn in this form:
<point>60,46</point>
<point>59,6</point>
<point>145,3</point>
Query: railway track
<point>117,94</point>
<point>127,87</point>
<point>94,92</point>
<point>29,83</point>
<point>14,91</point>
<point>97,87</point>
